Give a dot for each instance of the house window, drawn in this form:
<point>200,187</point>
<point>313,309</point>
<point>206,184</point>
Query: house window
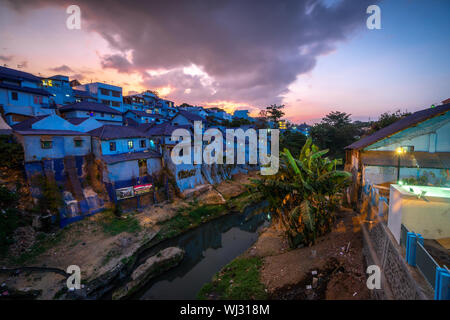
<point>104,92</point>
<point>143,144</point>
<point>112,146</point>
<point>78,142</point>
<point>37,99</point>
<point>115,104</point>
<point>115,94</point>
<point>14,96</point>
<point>130,144</point>
<point>46,144</point>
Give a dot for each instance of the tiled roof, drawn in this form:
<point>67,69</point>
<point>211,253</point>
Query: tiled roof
<point>37,91</point>
<point>130,122</point>
<point>77,121</point>
<point>26,124</point>
<point>39,132</point>
<point>164,129</point>
<point>17,75</point>
<point>190,116</point>
<point>110,132</point>
<point>110,159</point>
<point>400,125</point>
<point>145,114</point>
<point>89,106</point>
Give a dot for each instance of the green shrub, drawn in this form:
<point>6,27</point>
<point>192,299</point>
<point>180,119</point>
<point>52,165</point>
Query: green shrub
<point>9,217</point>
<point>11,152</point>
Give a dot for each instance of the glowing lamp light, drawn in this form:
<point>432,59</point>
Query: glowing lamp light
<point>399,150</point>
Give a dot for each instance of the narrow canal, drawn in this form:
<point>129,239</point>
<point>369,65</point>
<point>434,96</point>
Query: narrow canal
<point>208,248</point>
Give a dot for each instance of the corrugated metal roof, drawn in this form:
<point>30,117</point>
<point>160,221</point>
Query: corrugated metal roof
<point>400,125</point>
<point>89,106</point>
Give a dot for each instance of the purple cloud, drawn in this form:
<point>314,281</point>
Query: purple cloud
<point>251,51</point>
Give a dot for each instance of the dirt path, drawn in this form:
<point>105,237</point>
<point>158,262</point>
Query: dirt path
<point>333,267</point>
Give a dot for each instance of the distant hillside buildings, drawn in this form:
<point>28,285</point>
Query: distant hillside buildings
<point>67,127</point>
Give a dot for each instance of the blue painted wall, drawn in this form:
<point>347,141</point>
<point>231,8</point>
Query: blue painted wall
<point>62,146</point>
<point>122,146</point>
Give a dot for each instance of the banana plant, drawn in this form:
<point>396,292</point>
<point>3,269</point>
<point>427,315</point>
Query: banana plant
<point>304,193</point>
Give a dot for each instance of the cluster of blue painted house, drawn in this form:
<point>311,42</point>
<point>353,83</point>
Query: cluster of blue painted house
<point>67,128</point>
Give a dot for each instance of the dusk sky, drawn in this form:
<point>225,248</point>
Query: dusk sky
<point>313,56</point>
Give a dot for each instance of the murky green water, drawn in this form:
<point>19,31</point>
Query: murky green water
<point>208,248</point>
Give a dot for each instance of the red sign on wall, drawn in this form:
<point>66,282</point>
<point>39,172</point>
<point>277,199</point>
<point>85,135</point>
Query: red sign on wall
<point>142,189</point>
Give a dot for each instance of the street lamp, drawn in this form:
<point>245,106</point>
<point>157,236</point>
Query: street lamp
<point>400,151</point>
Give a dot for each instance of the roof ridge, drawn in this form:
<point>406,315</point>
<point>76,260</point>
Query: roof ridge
<point>403,123</point>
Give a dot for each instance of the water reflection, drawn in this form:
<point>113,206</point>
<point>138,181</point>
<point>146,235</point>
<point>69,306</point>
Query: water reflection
<point>208,248</point>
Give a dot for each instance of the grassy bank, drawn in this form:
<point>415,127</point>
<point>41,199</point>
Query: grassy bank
<point>239,280</point>
<point>188,218</point>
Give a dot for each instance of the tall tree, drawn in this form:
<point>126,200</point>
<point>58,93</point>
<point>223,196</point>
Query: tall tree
<point>272,113</point>
<point>275,112</point>
<point>335,132</point>
<point>387,119</point>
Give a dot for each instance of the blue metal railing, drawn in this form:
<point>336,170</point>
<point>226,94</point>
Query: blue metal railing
<point>417,256</point>
<point>426,264</point>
